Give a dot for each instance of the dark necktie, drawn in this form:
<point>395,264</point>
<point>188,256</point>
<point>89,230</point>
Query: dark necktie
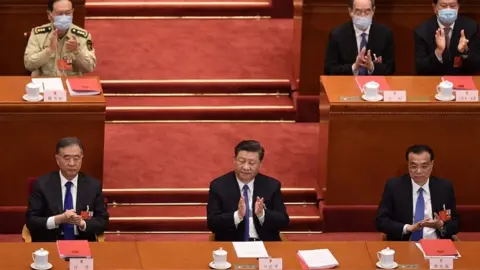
<point>363,44</point>
<point>246,219</point>
<point>68,229</point>
<point>447,32</point>
<point>419,215</point>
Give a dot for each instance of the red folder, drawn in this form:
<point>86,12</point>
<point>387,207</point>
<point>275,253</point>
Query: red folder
<point>461,82</point>
<point>438,247</point>
<point>362,80</point>
<point>84,84</point>
<point>73,249</point>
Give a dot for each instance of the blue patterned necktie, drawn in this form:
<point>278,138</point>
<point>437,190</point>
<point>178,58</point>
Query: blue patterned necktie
<point>246,219</point>
<point>68,229</point>
<point>419,215</point>
<point>363,44</point>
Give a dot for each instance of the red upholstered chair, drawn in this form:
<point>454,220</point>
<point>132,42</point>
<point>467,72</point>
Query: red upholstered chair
<point>27,238</point>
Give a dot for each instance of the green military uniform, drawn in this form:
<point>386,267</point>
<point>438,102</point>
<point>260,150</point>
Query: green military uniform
<point>41,62</point>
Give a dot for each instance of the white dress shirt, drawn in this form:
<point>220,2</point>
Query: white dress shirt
<point>428,233</point>
<point>358,35</point>
<point>439,57</point>
<point>236,218</point>
<point>73,189</point>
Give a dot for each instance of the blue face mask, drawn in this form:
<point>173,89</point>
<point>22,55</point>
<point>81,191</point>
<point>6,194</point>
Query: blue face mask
<point>447,16</point>
<point>361,22</point>
<point>62,22</point>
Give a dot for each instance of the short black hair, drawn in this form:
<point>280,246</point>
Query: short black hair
<point>418,149</point>
<point>436,1</point>
<point>350,3</point>
<point>51,2</point>
<point>69,141</point>
<point>250,146</point>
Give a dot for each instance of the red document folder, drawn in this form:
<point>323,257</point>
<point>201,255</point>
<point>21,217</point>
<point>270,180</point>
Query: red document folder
<point>438,247</point>
<point>362,80</point>
<point>83,86</point>
<point>461,82</point>
<point>73,249</point>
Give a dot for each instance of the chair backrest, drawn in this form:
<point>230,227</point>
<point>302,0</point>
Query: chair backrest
<point>30,182</point>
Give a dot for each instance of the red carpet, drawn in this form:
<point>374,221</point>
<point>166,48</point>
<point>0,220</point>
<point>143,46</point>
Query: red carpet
<point>170,49</point>
<point>192,211</point>
<point>201,101</point>
<point>191,155</point>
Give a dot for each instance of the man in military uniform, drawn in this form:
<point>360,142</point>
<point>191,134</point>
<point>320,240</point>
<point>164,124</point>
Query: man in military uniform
<point>59,48</point>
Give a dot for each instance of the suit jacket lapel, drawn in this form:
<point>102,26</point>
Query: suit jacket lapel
<point>433,193</point>
<point>409,203</point>
<point>55,186</point>
<point>352,43</point>
<point>82,191</point>
<point>455,39</point>
<point>235,188</point>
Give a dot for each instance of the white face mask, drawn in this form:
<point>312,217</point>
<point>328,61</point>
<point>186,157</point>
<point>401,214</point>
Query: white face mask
<point>62,22</point>
<point>362,22</point>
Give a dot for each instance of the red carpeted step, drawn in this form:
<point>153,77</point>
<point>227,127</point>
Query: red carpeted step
<point>200,108</point>
<point>191,195</point>
<point>178,8</point>
<point>231,49</point>
<point>216,86</point>
<point>191,210</point>
<point>193,218</point>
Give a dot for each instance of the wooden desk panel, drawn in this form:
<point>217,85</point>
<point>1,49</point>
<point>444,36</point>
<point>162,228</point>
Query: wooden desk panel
<point>408,253</point>
<point>184,255</point>
<point>367,141</point>
<point>107,256</point>
<point>30,132</point>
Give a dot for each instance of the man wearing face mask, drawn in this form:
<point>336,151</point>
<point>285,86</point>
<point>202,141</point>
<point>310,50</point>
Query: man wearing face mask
<point>447,44</point>
<point>360,47</point>
<point>59,48</point>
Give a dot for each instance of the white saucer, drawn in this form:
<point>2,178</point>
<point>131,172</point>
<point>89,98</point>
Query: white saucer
<point>443,98</point>
<point>376,98</point>
<point>48,266</point>
<point>212,265</point>
<point>395,265</point>
<point>26,98</point>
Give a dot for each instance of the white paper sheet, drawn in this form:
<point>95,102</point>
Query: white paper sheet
<point>255,249</point>
<point>318,258</point>
<point>419,246</point>
<point>49,84</point>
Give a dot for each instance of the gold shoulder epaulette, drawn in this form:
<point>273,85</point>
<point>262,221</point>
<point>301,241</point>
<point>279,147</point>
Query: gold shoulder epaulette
<point>42,30</point>
<point>79,32</point>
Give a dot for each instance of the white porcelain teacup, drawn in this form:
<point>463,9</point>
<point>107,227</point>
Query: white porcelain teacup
<point>445,89</point>
<point>220,258</point>
<point>386,257</point>
<point>370,89</point>
<point>40,258</point>
<point>33,90</point>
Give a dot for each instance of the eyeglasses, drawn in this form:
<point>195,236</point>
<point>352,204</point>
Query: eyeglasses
<point>60,13</point>
<point>362,12</point>
<point>75,158</point>
<point>422,167</point>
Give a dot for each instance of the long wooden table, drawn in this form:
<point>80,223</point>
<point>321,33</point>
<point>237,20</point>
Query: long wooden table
<point>31,130</point>
<point>196,255</point>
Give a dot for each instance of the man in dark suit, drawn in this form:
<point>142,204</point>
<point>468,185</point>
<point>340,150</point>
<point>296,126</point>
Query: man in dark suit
<point>447,45</point>
<point>360,47</point>
<point>418,205</point>
<point>66,204</point>
<point>245,205</point>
